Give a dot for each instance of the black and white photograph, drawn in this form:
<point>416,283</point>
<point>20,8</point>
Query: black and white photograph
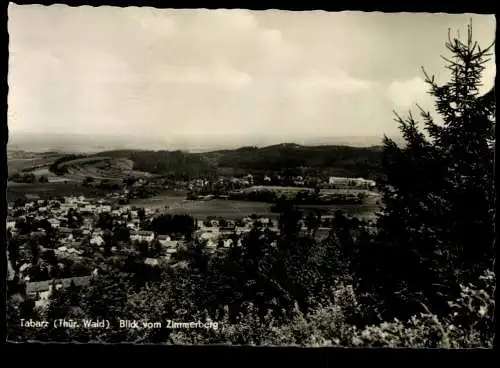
<point>250,177</point>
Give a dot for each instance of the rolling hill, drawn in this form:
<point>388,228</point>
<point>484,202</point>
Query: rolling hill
<point>117,164</point>
<point>330,160</point>
<point>57,167</point>
<point>350,161</point>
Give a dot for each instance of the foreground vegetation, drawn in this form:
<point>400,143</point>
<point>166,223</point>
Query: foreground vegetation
<point>420,277</point>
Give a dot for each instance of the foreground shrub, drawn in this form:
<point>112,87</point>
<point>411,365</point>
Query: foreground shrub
<point>470,325</point>
<point>322,326</point>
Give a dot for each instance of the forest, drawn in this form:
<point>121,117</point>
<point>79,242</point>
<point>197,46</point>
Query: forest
<point>180,165</point>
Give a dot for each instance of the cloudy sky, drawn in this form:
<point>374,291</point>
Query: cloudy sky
<point>226,75</point>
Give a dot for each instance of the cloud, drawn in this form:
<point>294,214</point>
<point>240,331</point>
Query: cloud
<point>237,19</point>
<point>407,93</point>
<point>218,75</point>
<point>219,72</point>
<point>340,82</point>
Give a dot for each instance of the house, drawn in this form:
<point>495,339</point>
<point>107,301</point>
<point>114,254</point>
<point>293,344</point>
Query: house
<point>367,184</point>
<point>151,261</point>
<point>147,236</point>
<point>165,240</point>
<point>66,230</point>
<point>211,243</point>
<point>228,227</point>
<point>208,235</point>
<point>29,205</point>
<point>55,223</point>
<point>332,180</point>
<point>11,225</point>
<point>62,249</point>
<point>97,232</point>
<point>66,238</point>
<point>104,208</point>
<point>89,208</point>
<point>39,218</point>
<point>240,231</point>
<point>299,181</point>
<point>65,206</point>
<point>247,220</point>
<point>264,220</point>
<point>41,290</point>
<point>97,241</point>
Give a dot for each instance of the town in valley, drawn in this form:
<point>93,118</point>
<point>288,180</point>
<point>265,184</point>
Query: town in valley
<point>62,240</point>
<point>250,177</point>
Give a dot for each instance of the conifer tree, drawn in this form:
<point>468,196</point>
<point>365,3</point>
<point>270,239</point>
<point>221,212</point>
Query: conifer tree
<point>436,229</point>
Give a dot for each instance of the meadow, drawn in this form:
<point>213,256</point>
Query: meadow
<point>232,209</point>
<point>203,209</point>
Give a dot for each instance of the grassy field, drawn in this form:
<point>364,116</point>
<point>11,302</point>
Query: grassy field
<point>19,161</point>
<point>18,165</point>
<point>236,209</point>
<point>99,168</point>
<point>204,209</point>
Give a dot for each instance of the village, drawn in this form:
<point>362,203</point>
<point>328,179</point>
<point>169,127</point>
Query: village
<point>64,239</point>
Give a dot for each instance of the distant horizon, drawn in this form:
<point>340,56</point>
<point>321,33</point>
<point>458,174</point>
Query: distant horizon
<point>39,142</point>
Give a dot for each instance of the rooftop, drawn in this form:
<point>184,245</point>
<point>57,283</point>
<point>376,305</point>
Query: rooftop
<point>144,233</point>
<point>41,286</point>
